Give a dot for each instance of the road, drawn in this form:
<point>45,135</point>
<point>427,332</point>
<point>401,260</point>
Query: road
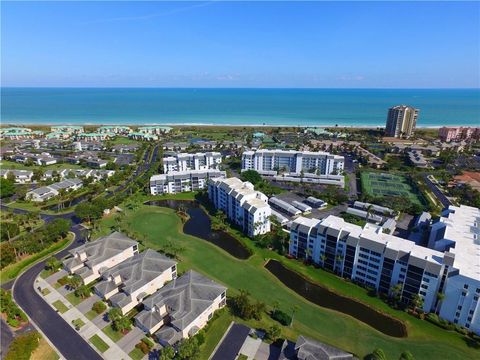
<point>437,192</point>
<point>67,341</point>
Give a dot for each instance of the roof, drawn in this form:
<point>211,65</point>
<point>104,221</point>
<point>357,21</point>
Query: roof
<point>309,349</point>
<point>104,248</point>
<point>186,297</point>
<point>137,271</point>
<point>188,174</point>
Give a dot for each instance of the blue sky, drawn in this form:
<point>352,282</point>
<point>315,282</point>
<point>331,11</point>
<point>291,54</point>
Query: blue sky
<point>241,44</point>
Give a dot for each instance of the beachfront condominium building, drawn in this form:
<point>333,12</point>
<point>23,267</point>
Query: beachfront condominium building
<point>116,129</point>
<point>383,261</point>
<point>458,133</point>
<point>198,161</point>
<point>270,162</point>
<point>401,121</point>
<point>243,205</point>
<point>182,181</point>
<point>458,232</point>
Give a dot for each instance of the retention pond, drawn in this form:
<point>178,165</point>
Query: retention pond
<point>322,296</point>
<point>199,225</point>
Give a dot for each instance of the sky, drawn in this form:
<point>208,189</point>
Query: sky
<point>241,44</point>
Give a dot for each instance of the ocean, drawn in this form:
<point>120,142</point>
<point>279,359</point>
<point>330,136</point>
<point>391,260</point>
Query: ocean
<point>283,107</point>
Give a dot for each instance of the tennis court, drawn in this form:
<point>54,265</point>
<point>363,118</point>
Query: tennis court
<point>384,184</point>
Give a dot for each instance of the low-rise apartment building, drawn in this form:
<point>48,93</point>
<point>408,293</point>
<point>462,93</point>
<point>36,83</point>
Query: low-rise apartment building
<point>270,162</point>
<point>116,129</point>
<point>243,205</point>
<point>92,259</point>
<point>181,308</point>
<point>182,181</point>
<point>458,232</point>
<point>19,176</point>
<point>381,261</point>
<point>47,192</point>
<point>128,283</point>
<point>155,130</point>
<point>197,161</point>
<point>72,129</point>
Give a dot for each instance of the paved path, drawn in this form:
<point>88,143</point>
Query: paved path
<point>437,192</point>
<point>86,331</point>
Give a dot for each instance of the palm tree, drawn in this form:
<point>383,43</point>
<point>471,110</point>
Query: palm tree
<point>275,306</point>
<point>396,292</point>
<point>323,257</point>
<point>294,309</point>
<point>417,302</point>
<point>440,299</point>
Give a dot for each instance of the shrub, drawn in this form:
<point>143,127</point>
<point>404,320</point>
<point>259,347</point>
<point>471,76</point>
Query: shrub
<point>282,317</point>
<point>143,347</point>
<point>99,307</point>
<point>148,342</point>
<point>64,280</point>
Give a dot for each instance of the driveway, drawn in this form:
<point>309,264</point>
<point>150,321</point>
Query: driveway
<point>231,343</point>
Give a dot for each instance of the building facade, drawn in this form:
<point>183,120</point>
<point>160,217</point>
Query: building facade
<point>456,134</point>
<point>270,162</point>
<point>401,121</point>
<point>186,162</point>
<point>244,206</point>
<point>382,261</point>
<point>182,181</point>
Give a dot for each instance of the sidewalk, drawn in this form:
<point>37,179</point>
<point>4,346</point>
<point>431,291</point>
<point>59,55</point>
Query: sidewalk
<point>88,330</point>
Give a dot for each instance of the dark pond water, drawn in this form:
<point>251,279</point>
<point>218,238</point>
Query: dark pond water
<point>325,298</point>
<point>67,204</point>
<point>199,225</point>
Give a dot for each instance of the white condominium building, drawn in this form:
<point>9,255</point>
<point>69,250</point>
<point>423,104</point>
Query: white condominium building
<point>198,161</point>
<point>182,181</point>
<point>243,205</point>
<point>381,261</point>
<point>458,232</point>
<point>270,162</point>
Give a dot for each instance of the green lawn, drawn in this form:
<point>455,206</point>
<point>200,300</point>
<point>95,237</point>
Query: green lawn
<point>157,226</point>
<point>90,315</point>
<point>136,354</point>
<point>112,333</point>
<point>215,331</point>
<point>99,343</point>
<point>73,299</point>
<point>60,306</point>
<point>45,291</point>
<point>78,323</point>
<point>13,270</point>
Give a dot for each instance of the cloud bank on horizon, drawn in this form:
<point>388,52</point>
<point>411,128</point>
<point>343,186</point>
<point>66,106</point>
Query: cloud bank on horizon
<point>241,44</point>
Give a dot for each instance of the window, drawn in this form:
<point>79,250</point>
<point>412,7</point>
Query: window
<point>423,293</point>
<point>457,314</point>
<point>471,312</point>
<point>427,280</point>
<point>465,286</point>
<point>459,307</point>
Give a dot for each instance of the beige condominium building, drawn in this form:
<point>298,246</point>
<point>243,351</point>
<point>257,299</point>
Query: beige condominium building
<point>401,121</point>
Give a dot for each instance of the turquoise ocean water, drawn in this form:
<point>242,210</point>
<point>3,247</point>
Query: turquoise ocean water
<point>294,107</point>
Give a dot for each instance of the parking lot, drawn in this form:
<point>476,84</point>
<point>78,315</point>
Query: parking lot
<point>291,196</point>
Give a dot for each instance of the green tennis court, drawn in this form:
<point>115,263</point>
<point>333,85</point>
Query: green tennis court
<point>382,184</point>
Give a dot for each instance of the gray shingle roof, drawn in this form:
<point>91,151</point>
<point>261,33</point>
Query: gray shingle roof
<point>186,297</point>
<point>309,349</point>
<point>105,247</point>
<point>138,270</point>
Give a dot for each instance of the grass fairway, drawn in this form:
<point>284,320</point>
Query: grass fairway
<point>156,226</point>
<point>386,185</point>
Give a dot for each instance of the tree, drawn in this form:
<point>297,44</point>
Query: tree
<point>114,314</point>
<point>99,307</point>
<point>53,264</point>
<point>75,282</point>
<point>417,302</point>
<point>294,309</point>
<point>251,176</point>
<point>440,298</point>
<point>122,324</point>
<point>406,355</point>
<point>378,354</point>
<point>166,353</point>
<point>274,332</point>
<point>83,291</point>
<point>188,349</point>
<point>7,187</point>
<point>82,211</point>
<point>396,293</point>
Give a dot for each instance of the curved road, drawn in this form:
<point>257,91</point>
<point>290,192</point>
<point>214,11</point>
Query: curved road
<point>67,341</point>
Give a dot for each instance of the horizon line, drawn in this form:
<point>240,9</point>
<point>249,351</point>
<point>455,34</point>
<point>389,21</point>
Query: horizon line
<point>241,87</point>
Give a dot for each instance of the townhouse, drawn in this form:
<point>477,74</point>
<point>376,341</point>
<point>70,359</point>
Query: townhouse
<point>308,349</point>
<point>243,205</point>
<point>80,173</point>
<point>270,162</point>
<point>198,161</point>
<point>126,285</point>
<point>182,181</point>
<point>19,176</point>
<point>47,192</point>
<point>181,308</point>
<point>382,261</point>
<point>92,259</point>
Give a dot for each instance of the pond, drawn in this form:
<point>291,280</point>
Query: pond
<point>199,225</point>
<point>322,296</point>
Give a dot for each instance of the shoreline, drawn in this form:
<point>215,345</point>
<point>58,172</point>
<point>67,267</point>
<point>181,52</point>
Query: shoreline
<point>177,125</point>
